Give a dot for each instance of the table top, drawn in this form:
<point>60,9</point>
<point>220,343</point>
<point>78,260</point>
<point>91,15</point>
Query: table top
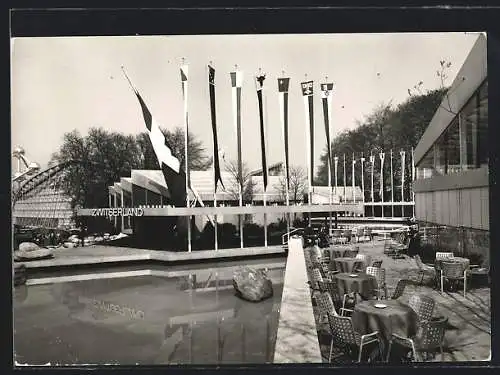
<point>347,276</point>
<point>346,259</point>
<point>393,307</point>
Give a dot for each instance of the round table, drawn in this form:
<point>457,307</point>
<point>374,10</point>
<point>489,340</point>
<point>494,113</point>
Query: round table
<point>344,264</point>
<point>362,284</point>
<point>395,318</point>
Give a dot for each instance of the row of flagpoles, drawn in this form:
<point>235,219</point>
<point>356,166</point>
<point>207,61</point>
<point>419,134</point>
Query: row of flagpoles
<point>178,180</point>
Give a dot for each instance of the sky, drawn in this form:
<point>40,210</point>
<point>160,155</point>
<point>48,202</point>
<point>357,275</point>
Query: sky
<point>59,84</point>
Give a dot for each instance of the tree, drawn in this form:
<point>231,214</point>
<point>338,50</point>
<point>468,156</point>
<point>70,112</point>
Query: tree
<point>232,187</point>
<point>107,156</point>
<point>298,184</point>
<point>104,158</point>
<point>387,127</point>
<point>198,160</point>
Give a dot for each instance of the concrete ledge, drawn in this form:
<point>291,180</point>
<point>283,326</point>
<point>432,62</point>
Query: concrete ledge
<point>297,338</point>
<point>103,254</point>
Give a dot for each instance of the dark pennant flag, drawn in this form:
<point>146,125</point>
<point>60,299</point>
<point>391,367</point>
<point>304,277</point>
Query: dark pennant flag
<point>259,81</point>
<point>283,84</point>
<point>326,99</point>
<point>211,89</point>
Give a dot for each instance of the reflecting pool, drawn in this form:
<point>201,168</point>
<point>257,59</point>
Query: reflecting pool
<point>174,315</point>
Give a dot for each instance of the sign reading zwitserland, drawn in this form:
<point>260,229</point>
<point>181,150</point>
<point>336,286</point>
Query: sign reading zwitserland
<point>118,211</point>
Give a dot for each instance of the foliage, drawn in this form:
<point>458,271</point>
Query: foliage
<point>232,186</point>
<point>387,128</point>
<point>108,156</point>
<point>298,184</point>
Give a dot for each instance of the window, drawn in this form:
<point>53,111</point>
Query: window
<point>463,145</point>
<point>425,169</point>
<point>474,126</point>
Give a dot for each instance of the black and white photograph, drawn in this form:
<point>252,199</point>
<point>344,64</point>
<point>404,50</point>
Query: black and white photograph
<point>250,199</point>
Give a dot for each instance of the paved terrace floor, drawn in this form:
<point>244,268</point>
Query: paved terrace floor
<point>468,337</point>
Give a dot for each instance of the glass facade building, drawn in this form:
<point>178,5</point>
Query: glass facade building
<point>451,159</point>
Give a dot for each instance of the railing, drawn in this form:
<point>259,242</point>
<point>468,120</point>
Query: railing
<point>286,235</point>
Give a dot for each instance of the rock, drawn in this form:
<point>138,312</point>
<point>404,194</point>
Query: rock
<point>69,245</point>
<point>99,239</point>
<point>252,285</point>
<point>34,254</point>
<point>28,246</point>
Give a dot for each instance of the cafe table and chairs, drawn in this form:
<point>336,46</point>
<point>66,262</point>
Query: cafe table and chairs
<point>387,317</point>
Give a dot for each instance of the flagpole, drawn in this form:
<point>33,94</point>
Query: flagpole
<point>336,164</point>
<point>413,179</point>
<point>363,180</point>
<point>306,90</point>
<point>382,157</point>
<point>238,78</point>
<point>216,239</point>
<point>402,154</point>
<point>372,161</point>
<point>328,88</point>
<point>353,179</point>
<point>186,135</point>
<point>345,186</point>
<point>283,115</point>
<point>392,188</point>
<point>264,104</point>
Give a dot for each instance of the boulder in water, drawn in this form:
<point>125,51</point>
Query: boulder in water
<point>40,253</point>
<point>252,285</point>
<point>28,246</point>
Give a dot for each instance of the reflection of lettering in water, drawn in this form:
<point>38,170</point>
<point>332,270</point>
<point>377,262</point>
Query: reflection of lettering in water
<point>122,310</point>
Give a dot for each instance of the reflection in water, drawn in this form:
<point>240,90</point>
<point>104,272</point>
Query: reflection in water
<point>192,318</point>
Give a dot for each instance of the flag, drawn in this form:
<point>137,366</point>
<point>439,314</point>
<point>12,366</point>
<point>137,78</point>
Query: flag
<point>403,166</point>
<point>307,93</point>
<point>326,99</point>
<point>236,83</point>
<point>211,89</point>
<point>382,157</point>
<point>259,82</point>
<point>184,83</point>
<point>174,176</point>
<point>283,84</point>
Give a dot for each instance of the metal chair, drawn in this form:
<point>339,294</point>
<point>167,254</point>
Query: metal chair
<point>365,258</point>
<point>359,266</point>
<point>377,263</point>
<point>379,274</point>
<point>351,253</point>
<point>422,305</point>
<point>429,337</point>
<point>344,336</point>
<point>453,271</point>
<point>359,233</point>
<point>400,288</point>
<point>315,277</point>
<point>325,306</point>
<point>330,287</point>
<point>367,232</point>
<point>424,269</point>
<point>444,255</point>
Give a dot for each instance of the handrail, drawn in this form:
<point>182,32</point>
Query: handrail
<point>286,235</point>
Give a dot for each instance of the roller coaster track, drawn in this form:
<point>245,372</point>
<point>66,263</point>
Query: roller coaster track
<point>44,177</point>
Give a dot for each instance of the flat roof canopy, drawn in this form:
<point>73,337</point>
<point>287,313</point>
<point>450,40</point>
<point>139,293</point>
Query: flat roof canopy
<point>357,208</point>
